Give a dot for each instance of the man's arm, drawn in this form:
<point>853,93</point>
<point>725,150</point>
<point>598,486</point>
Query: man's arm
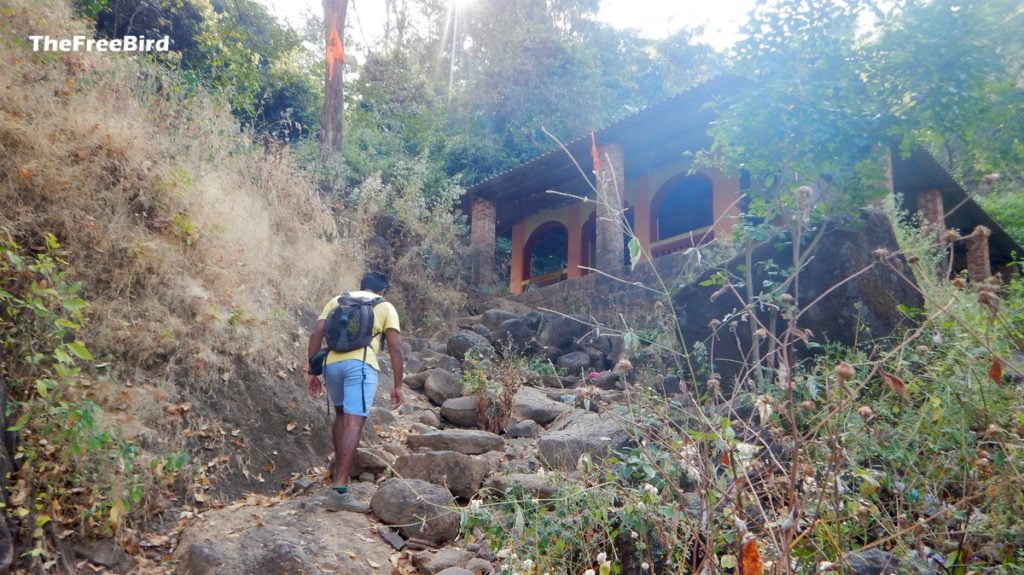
<point>394,339</point>
<point>316,339</point>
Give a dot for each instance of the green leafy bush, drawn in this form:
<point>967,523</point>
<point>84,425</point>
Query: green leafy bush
<point>71,473</point>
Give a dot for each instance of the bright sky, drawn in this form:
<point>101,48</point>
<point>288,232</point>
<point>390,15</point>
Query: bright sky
<point>654,18</point>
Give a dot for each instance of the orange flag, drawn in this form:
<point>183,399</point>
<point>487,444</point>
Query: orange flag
<point>595,155</point>
<point>335,51</point>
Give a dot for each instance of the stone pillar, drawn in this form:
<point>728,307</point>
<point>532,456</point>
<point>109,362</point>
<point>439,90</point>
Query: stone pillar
<point>611,189</point>
<point>482,238</point>
<point>979,266</point>
<point>518,246</point>
<point>929,205</point>
<point>575,252</point>
<point>642,216</point>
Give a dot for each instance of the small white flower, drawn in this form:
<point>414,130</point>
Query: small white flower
<point>589,572</point>
<point>645,566</point>
<point>503,553</point>
<point>527,564</point>
<point>650,489</point>
<point>601,557</point>
<point>634,534</point>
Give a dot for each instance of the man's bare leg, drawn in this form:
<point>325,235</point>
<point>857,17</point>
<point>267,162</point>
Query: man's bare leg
<point>347,431</point>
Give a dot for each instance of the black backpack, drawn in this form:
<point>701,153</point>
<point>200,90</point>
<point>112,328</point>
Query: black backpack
<point>350,325</point>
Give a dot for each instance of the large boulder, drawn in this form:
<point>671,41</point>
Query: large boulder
<point>857,297</point>
<point>532,403</point>
<point>442,385</point>
<point>574,362</point>
<point>563,331</point>
<point>429,563</point>
<point>524,428</point>
<point>540,486</point>
<point>371,460</point>
<point>584,432</point>
<point>461,411</point>
<point>464,341</point>
<point>493,318</point>
<point>416,380</point>
<point>514,336</point>
<point>417,508</point>
<point>461,474</point>
<point>467,441</point>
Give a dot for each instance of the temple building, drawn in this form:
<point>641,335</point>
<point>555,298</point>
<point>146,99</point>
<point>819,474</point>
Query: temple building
<point>564,218</point>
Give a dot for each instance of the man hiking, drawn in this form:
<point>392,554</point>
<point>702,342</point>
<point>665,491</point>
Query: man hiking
<point>354,325</point>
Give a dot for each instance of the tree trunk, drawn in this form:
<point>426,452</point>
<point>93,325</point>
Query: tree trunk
<point>331,122</point>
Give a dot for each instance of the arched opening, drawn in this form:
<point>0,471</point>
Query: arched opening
<point>683,204</point>
<point>546,254</point>
<point>682,214</point>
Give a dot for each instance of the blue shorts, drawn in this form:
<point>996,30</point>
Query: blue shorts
<point>348,389</point>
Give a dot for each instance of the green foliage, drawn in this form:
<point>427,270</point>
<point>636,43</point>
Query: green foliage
<point>73,472</point>
<point>1008,209</point>
<point>824,103</point>
<point>235,47</point>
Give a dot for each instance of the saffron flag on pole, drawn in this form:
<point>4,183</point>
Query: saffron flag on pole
<point>335,51</point>
<point>595,155</point>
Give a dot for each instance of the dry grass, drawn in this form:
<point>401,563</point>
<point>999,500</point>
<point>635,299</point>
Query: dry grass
<point>197,251</point>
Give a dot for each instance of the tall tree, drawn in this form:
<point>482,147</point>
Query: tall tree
<point>332,121</point>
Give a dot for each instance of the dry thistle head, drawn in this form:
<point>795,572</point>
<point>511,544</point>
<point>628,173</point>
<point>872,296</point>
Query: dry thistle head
<point>713,324</point>
<point>623,366</point>
<point>990,179</point>
<point>845,371</point>
<point>787,299</point>
<point>807,405</point>
<point>803,195</point>
<point>922,349</point>
<point>959,282</point>
<point>981,231</point>
<point>761,332</point>
<point>865,412</point>
<point>881,254</point>
<point>988,298</point>
<point>949,236</point>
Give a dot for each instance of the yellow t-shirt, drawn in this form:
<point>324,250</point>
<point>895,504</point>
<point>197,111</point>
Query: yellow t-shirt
<point>385,317</point>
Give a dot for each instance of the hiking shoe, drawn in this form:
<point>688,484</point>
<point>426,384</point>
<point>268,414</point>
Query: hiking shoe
<point>345,502</point>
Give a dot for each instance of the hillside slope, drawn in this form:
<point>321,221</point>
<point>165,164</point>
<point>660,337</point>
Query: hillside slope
<point>198,252</point>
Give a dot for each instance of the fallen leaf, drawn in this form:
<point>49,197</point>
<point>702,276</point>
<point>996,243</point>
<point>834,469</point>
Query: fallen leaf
<point>750,558</point>
<point>894,383</point>
<point>226,376</point>
<point>292,425</point>
<point>25,173</point>
<point>995,372</point>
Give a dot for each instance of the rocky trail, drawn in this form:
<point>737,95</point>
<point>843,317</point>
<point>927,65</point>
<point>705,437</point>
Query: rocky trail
<point>419,465</point>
